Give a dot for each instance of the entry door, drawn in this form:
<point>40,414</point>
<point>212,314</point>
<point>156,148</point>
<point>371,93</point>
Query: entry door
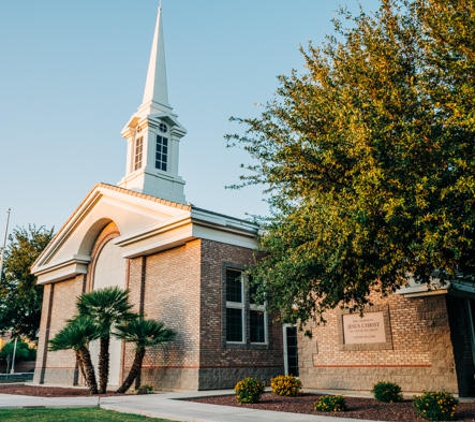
<point>291,356</point>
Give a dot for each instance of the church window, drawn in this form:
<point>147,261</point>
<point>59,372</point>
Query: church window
<point>138,152</point>
<point>161,153</point>
<point>234,306</point>
<point>257,318</point>
<point>246,320</point>
<point>162,127</point>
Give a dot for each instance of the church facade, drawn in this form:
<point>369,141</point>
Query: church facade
<point>183,265</point>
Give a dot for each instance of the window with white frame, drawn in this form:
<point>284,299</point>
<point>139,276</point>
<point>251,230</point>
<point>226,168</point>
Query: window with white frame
<point>161,153</point>
<point>138,152</point>
<point>257,318</point>
<point>234,306</point>
<point>246,321</point>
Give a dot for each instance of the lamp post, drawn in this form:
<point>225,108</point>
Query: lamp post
<point>5,235</point>
<point>2,254</point>
<point>12,371</point>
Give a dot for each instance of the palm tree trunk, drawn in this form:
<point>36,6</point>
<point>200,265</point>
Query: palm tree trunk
<point>88,370</point>
<point>104,364</point>
<point>134,370</point>
<point>80,363</point>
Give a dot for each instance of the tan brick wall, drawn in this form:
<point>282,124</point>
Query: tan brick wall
<point>43,335</point>
<point>57,367</point>
<point>183,288</point>
<point>171,292</point>
<point>420,357</point>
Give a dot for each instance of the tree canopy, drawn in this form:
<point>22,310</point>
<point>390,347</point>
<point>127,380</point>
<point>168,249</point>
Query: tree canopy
<point>367,157</point>
<point>20,297</point>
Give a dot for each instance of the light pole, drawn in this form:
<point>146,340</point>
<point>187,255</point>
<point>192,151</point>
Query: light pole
<point>5,235</point>
<point>2,254</point>
<point>12,371</point>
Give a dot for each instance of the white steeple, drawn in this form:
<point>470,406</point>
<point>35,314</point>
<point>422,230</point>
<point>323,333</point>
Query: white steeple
<point>153,134</point>
<point>155,96</point>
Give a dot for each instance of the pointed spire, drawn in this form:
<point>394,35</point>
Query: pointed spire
<point>153,134</point>
<point>155,97</point>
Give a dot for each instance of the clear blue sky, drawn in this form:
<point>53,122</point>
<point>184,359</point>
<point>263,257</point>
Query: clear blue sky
<point>73,72</point>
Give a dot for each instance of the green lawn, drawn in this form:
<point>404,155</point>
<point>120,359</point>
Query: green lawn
<point>93,414</point>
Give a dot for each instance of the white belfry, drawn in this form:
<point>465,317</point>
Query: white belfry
<point>153,134</point>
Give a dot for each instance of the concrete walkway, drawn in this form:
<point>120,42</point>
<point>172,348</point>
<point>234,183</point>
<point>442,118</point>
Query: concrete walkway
<point>169,406</point>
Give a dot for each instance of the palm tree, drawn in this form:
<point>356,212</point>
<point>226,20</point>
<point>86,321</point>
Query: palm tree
<point>105,307</point>
<point>144,333</point>
<point>76,335</point>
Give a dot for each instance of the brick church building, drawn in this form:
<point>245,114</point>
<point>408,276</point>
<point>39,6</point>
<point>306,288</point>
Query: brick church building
<point>184,266</point>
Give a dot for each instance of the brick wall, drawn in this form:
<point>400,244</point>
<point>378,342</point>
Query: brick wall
<point>59,305</point>
<point>222,366</point>
<point>183,288</point>
<point>418,355</point>
<point>170,294</point>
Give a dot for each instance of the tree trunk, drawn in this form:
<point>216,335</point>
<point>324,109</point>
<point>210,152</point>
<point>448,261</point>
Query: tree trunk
<point>88,370</point>
<point>80,363</point>
<point>134,370</point>
<point>104,364</point>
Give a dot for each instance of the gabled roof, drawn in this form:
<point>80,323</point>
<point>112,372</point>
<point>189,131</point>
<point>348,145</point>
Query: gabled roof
<point>134,214</point>
<point>146,224</point>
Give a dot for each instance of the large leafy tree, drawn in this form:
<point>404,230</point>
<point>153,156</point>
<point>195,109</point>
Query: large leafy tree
<point>20,297</point>
<point>105,307</point>
<point>368,159</point>
<point>144,333</point>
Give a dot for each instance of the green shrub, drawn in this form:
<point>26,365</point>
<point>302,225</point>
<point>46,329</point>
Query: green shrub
<point>144,389</point>
<point>435,406</point>
<point>387,392</point>
<point>286,385</point>
<point>249,390</point>
<point>330,404</point>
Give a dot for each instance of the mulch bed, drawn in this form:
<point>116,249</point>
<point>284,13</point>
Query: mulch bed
<point>42,391</point>
<point>358,408</point>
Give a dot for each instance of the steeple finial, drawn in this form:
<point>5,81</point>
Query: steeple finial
<point>155,97</point>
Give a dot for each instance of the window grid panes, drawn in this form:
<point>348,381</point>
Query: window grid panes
<point>138,153</point>
<point>233,286</point>
<point>257,332</point>
<point>234,325</point>
<point>161,153</point>
<point>241,312</point>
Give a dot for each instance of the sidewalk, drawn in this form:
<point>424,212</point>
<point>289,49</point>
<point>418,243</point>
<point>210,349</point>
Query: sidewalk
<point>169,406</point>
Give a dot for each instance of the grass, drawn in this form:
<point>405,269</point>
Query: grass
<point>71,415</point>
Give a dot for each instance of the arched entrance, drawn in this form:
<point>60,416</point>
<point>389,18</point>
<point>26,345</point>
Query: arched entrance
<point>108,270</point>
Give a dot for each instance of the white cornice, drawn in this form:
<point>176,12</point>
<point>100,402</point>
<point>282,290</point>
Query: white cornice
<point>63,271</point>
<point>214,219</point>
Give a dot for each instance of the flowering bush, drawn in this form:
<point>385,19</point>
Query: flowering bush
<point>330,404</point>
<point>436,406</point>
<point>387,392</point>
<point>249,390</point>
<point>286,385</point>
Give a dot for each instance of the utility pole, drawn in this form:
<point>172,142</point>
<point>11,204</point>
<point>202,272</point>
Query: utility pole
<point>5,236</point>
<point>2,254</point>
